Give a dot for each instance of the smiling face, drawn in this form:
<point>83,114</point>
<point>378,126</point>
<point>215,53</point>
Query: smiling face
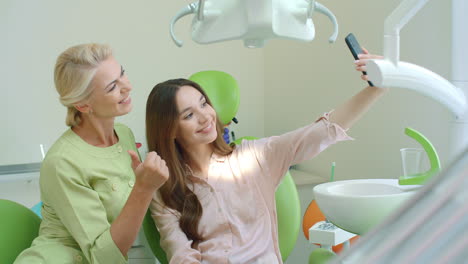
<point>196,123</point>
<point>111,91</point>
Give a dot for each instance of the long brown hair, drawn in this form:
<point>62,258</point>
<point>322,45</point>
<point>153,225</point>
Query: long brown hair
<point>161,126</point>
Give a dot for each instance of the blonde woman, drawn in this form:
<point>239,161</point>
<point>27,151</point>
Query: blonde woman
<point>95,191</point>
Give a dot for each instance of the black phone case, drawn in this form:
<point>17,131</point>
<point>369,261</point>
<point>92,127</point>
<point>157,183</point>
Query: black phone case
<point>355,49</point>
<point>353,45</point>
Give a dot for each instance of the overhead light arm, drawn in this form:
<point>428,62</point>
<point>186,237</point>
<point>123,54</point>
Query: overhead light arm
<point>391,73</point>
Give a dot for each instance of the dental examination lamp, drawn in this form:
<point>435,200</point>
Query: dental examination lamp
<point>392,73</point>
<point>254,21</point>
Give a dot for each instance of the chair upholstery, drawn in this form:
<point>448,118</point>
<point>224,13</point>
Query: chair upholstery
<point>19,226</point>
<point>288,209</point>
<point>153,237</point>
<point>222,90</point>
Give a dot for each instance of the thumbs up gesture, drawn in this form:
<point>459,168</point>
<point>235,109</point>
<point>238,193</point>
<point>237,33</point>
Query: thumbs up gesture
<point>150,174</point>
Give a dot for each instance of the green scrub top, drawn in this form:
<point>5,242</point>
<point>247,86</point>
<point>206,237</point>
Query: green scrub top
<point>83,190</point>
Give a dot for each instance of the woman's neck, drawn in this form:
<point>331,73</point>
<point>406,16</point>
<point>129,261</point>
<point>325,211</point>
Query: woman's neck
<point>199,158</point>
<point>99,133</point>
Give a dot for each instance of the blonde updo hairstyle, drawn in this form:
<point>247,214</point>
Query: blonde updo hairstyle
<point>74,71</point>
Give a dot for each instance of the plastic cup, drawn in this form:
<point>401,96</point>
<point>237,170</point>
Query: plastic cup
<point>411,159</point>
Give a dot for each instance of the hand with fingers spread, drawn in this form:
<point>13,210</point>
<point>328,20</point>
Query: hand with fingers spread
<point>361,63</point>
<point>150,174</point>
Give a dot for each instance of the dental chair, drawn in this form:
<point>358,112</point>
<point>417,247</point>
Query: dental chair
<point>19,226</point>
<point>223,92</point>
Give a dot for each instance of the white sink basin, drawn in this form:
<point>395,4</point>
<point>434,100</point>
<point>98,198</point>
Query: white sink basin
<point>358,205</point>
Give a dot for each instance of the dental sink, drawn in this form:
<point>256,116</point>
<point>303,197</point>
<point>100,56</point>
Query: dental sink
<point>358,205</point>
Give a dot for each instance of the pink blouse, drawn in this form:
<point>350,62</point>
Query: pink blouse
<point>239,223</point>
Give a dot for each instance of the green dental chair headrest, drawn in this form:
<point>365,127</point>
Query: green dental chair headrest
<point>223,92</point>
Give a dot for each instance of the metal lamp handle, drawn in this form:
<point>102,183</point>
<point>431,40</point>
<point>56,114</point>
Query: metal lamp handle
<point>189,9</point>
<point>322,9</point>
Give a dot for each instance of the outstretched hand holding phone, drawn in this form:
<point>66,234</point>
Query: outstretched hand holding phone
<point>360,55</point>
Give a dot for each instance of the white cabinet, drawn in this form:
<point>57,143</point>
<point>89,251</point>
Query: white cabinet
<point>22,188</point>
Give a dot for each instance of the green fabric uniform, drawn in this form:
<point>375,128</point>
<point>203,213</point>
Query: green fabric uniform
<point>83,189</point>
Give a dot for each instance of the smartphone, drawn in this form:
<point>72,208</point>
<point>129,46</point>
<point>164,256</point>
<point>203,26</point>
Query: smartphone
<point>355,49</point>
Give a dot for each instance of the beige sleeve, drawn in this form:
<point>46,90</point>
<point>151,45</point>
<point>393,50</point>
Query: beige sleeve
<point>276,154</point>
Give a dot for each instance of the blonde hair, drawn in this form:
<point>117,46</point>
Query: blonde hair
<point>74,71</point>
